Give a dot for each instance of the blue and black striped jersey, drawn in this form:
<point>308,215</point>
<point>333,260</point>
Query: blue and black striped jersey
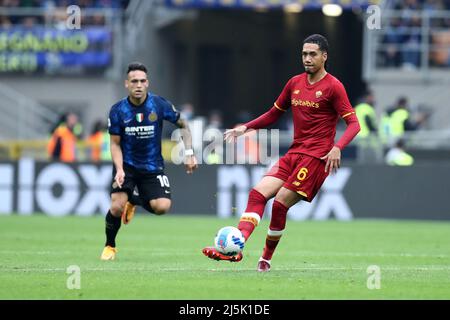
<point>139,128</point>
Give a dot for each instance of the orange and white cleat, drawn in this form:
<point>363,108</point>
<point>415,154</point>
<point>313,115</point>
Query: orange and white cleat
<point>128,212</point>
<point>212,253</point>
<point>263,265</point>
<point>109,253</point>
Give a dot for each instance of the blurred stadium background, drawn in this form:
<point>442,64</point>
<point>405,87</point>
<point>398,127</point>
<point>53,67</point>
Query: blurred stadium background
<point>223,62</point>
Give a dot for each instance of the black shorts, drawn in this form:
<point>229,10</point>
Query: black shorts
<point>150,185</point>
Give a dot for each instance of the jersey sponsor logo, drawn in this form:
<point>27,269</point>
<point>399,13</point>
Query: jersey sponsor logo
<point>304,103</point>
<point>318,94</point>
<point>139,117</point>
<point>141,132</point>
<point>153,116</point>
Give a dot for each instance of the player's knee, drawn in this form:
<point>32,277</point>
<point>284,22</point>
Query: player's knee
<point>161,206</point>
<point>117,208</point>
<point>161,209</point>
<point>287,197</point>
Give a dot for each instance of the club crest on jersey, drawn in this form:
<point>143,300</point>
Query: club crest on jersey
<point>153,116</point>
<point>318,94</point>
<point>139,117</point>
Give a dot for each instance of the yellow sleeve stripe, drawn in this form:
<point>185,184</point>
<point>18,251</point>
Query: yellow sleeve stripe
<point>347,114</point>
<point>276,106</point>
<point>302,194</point>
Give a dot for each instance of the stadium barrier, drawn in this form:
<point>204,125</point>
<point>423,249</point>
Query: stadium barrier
<point>28,186</point>
<point>37,149</point>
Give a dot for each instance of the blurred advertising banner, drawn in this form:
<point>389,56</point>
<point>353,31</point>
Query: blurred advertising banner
<point>39,49</point>
<point>59,189</point>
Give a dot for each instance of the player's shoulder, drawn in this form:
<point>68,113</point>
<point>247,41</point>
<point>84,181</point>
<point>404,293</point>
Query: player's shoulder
<point>119,104</point>
<point>333,81</point>
<point>158,100</point>
<point>297,78</point>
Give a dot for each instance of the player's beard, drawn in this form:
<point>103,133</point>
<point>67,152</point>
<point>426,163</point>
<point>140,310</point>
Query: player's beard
<point>139,95</point>
<point>310,70</point>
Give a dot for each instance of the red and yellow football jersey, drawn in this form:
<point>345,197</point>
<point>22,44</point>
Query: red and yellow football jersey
<point>316,109</point>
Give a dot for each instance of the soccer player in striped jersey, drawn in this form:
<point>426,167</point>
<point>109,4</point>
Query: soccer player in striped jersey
<point>135,126</point>
<point>317,100</point>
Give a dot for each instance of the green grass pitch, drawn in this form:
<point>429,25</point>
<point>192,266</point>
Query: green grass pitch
<point>160,258</point>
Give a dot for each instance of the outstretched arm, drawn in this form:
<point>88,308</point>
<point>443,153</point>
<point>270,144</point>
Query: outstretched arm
<point>266,119</point>
<point>190,161</point>
<point>262,121</point>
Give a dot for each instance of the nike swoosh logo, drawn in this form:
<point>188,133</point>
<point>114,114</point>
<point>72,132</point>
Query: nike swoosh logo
<point>166,191</point>
<point>126,121</point>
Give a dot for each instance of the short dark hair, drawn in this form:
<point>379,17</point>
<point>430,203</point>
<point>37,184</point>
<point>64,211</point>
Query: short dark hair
<point>318,39</point>
<point>400,143</point>
<point>133,66</point>
<point>402,101</point>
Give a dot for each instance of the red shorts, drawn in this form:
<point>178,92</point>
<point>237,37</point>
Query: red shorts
<point>301,173</point>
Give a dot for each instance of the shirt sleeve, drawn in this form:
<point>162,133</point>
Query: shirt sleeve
<point>344,108</point>
<point>283,102</point>
<point>265,119</point>
<point>171,114</point>
<point>340,101</point>
<point>114,122</point>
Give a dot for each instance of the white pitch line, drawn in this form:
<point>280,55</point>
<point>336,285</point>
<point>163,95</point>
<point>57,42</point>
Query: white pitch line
<point>310,268</point>
<point>368,254</point>
<point>162,252</point>
<point>56,253</point>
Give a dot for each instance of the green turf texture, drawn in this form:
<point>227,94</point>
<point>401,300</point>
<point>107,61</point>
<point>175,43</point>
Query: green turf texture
<point>160,258</point>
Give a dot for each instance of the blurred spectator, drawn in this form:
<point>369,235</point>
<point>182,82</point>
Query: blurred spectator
<point>430,5</point>
<point>399,119</point>
<point>440,51</point>
<point>367,117</point>
<point>369,147</point>
<point>244,116</point>
<point>58,19</point>
<point>62,144</point>
<point>215,157</point>
<point>99,143</point>
<point>98,20</point>
<point>5,22</point>
<point>402,40</point>
<point>397,156</point>
<point>393,39</point>
<point>215,123</point>
<point>411,46</point>
<point>56,10</point>
<point>187,111</point>
<point>215,120</point>
<point>29,22</point>
<point>248,148</point>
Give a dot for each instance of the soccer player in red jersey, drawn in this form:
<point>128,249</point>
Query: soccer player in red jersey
<point>317,101</point>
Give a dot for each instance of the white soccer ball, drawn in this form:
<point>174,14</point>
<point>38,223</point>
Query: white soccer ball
<point>229,241</point>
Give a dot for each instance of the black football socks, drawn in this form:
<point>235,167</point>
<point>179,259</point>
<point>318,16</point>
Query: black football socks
<point>112,226</point>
